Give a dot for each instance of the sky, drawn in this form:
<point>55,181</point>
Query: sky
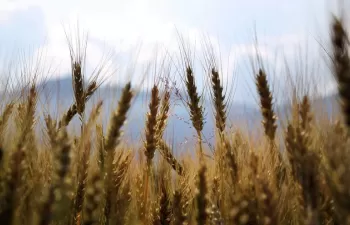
<point>130,32</point>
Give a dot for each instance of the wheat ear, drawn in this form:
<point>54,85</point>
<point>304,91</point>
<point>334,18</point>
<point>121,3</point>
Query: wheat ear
<point>269,117</point>
<point>178,215</point>
<point>219,101</point>
<point>341,65</point>
<point>151,125</point>
<point>18,159</point>
<point>196,110</point>
<point>163,115</point>
<point>3,122</point>
<point>62,148</point>
<point>94,193</point>
<point>166,152</point>
<point>73,109</point>
<point>305,113</point>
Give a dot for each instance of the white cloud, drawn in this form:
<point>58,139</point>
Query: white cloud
<point>123,25</point>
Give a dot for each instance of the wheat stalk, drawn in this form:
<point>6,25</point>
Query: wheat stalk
<point>150,133</point>
<point>201,198</point>
<point>117,120</point>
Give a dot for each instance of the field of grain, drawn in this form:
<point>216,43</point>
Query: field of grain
<point>93,177</point>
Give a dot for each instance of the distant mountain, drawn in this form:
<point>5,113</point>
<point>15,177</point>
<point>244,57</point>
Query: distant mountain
<point>57,95</point>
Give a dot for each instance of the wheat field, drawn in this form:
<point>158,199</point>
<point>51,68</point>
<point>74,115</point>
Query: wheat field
<point>93,177</point>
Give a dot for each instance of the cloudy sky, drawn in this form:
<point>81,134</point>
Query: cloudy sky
<point>127,27</point>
